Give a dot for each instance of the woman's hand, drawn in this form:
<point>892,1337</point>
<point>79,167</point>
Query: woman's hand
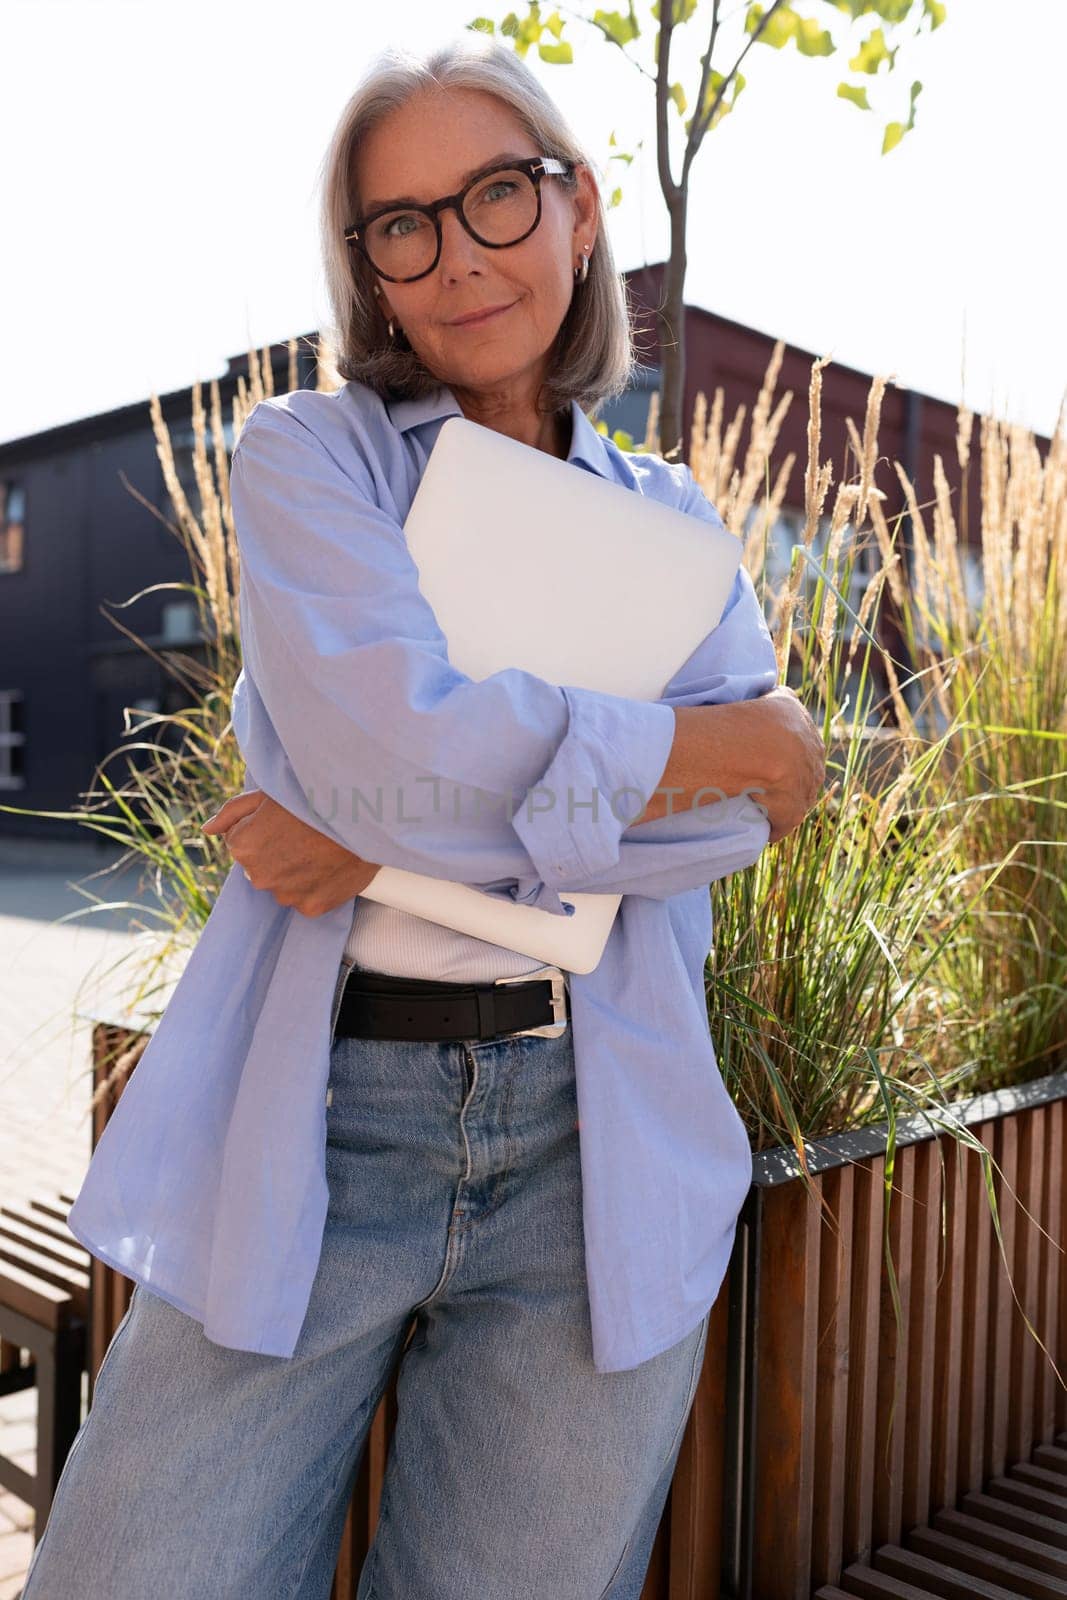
<point>767,747</point>
<point>300,866</point>
<point>791,755</point>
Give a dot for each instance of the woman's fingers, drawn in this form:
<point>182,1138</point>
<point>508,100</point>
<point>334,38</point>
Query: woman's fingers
<point>795,749</point>
<point>232,810</point>
<point>294,862</point>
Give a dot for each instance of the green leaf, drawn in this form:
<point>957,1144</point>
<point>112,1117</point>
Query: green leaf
<point>482,25</point>
<point>531,30</point>
<point>618,28</point>
<point>616,199</point>
<point>780,29</point>
<point>936,12</point>
<point>525,31</point>
<point>677,94</point>
<point>811,40</point>
<point>857,93</point>
<point>889,10</point>
<point>872,52</point>
<point>895,131</point>
<point>681,10</point>
<point>618,155</point>
<point>562,55</point>
<point>624,440</point>
<point>555,24</point>
<point>715,82</point>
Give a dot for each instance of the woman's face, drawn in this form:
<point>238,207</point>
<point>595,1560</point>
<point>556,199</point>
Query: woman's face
<point>423,150</point>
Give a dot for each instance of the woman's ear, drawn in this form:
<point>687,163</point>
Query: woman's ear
<point>585,212</point>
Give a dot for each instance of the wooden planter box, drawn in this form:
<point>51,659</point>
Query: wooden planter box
<point>816,1478</point>
<point>789,1470</point>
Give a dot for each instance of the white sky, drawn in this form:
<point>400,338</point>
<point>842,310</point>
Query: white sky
<point>160,163</point>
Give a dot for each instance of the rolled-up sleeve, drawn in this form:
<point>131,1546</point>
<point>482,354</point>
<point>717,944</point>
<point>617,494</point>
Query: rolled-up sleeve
<point>397,754</point>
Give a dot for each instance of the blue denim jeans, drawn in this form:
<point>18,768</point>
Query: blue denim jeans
<point>516,1471</point>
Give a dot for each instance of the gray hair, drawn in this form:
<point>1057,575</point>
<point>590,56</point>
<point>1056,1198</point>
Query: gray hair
<point>593,356</point>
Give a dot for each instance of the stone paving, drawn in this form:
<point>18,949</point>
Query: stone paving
<point>54,977</point>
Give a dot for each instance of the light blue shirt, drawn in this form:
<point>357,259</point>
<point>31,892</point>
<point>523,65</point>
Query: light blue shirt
<point>208,1183</point>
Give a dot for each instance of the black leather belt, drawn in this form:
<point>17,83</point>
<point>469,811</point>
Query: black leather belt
<point>377,1005</point>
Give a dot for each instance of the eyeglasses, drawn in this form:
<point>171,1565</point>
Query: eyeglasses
<point>500,207</point>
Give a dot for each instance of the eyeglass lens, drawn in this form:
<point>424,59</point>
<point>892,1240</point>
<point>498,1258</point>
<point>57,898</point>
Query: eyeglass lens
<point>500,208</point>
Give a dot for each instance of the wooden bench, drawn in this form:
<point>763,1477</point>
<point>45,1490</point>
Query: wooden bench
<point>44,1310</point>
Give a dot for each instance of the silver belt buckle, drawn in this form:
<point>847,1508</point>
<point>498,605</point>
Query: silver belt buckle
<point>546,1030</point>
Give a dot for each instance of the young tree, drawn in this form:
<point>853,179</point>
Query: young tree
<point>776,25</point>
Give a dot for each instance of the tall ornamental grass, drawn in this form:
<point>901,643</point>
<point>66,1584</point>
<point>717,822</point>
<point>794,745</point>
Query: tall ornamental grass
<point>998,672</point>
<point>823,991</point>
<point>907,944</point>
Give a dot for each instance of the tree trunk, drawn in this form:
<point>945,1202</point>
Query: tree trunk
<point>670,321</point>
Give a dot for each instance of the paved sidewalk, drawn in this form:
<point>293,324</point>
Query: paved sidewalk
<point>50,971</point>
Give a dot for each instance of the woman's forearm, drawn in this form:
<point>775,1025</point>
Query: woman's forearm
<point>715,747</point>
<point>767,746</point>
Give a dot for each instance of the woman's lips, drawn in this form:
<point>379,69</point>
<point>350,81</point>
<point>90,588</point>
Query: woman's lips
<point>479,322</point>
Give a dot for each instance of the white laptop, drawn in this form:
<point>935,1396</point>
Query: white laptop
<point>508,538</point>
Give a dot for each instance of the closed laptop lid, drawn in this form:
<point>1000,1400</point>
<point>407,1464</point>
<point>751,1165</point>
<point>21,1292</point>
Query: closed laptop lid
<point>532,562</point>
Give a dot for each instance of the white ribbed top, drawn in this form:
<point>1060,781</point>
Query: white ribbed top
<point>383,939</point>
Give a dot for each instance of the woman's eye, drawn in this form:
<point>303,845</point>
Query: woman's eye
<point>394,221</point>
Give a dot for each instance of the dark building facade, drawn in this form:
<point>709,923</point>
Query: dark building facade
<point>74,538</point>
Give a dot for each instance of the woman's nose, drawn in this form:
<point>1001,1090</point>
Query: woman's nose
<point>458,249</point>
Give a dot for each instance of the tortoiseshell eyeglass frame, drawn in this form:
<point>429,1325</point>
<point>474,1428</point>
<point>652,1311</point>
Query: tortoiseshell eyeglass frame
<point>535,167</point>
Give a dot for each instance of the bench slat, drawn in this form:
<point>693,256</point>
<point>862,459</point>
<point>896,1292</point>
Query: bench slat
<point>67,1255</point>
<point>72,1280</point>
<point>32,1297</point>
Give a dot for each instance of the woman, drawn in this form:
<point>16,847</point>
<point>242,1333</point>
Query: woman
<point>348,1144</point>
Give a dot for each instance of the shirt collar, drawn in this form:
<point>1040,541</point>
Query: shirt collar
<point>587,445</point>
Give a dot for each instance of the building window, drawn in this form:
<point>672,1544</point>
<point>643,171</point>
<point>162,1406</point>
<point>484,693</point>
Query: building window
<point>783,534</point>
<point>628,413</point>
<point>12,522</point>
<point>973,580</point>
<point>936,606</point>
<point>788,532</point>
<point>12,740</point>
<point>782,539</point>
<point>181,623</point>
